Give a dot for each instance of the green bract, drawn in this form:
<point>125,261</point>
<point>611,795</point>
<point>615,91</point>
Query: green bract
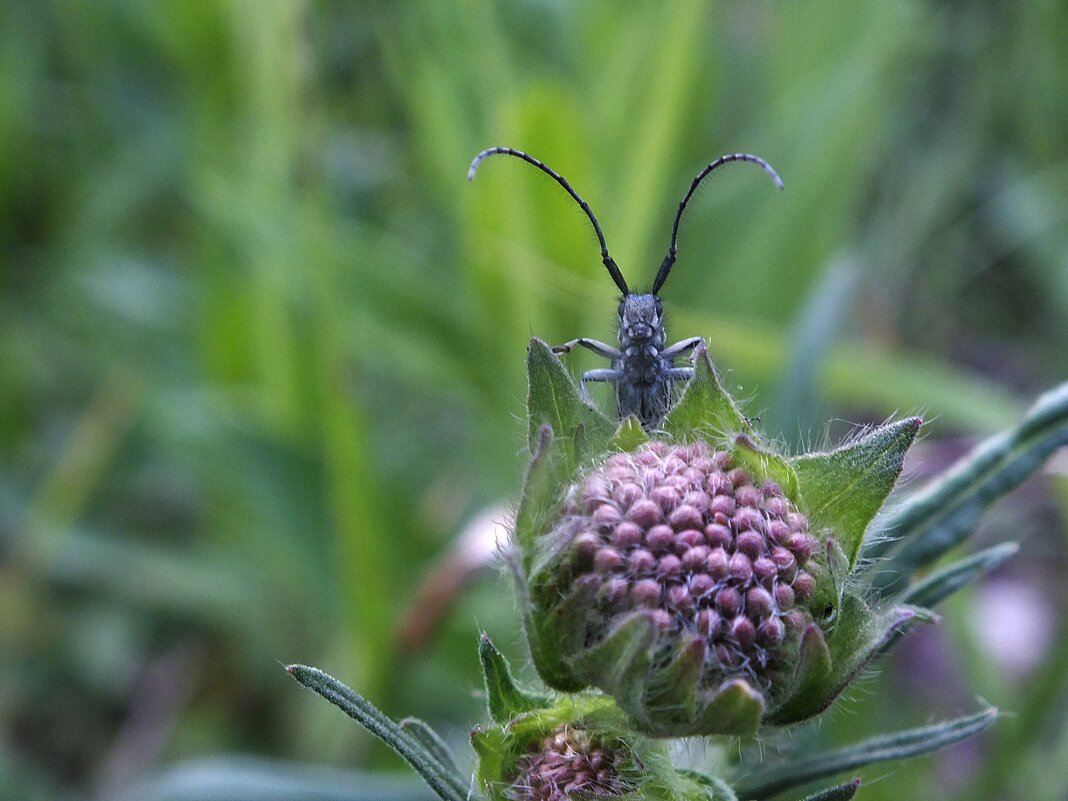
<point>694,574</point>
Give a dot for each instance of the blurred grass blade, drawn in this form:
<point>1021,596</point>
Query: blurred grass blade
<point>775,779</point>
<point>945,512</point>
<point>945,582</point>
<point>447,783</point>
<point>843,792</point>
<point>255,779</point>
<point>798,396</point>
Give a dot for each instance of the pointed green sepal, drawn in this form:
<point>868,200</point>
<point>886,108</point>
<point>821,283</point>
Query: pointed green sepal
<point>844,488</point>
<point>705,410</point>
<point>672,690</point>
<point>556,633</point>
<point>554,399</point>
<point>766,465</point>
<point>629,436</point>
<point>735,708</point>
<point>504,697</point>
<point>856,634</point>
<point>619,664</point>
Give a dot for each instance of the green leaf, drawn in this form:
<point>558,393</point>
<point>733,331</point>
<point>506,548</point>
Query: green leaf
<point>421,732</point>
<point>843,792</point>
<point>554,399</point>
<point>946,512</point>
<point>674,686</point>
<point>767,465</point>
<point>705,410</point>
<point>620,662</point>
<point>735,708</point>
<point>551,637</point>
<point>503,697</point>
<point>843,489</point>
<point>716,788</point>
<point>541,489</point>
<point>949,579</point>
<point>448,784</point>
<point>857,634</point>
<point>774,779</point>
<point>629,436</point>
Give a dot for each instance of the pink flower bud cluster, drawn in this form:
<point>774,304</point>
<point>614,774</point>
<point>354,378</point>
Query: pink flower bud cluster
<point>569,763</point>
<point>683,532</point>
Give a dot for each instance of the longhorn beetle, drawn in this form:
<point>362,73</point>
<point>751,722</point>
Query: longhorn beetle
<point>642,370</point>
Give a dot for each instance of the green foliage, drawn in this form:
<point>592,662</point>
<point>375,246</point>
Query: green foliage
<point>260,343</point>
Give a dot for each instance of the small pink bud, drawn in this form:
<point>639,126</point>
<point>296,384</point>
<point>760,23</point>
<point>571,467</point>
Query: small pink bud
<point>660,538</point>
<point>698,500</point>
<point>625,535</point>
<point>803,585</point>
<point>771,631</point>
<point>741,568</point>
<point>701,584</point>
<point>685,517</point>
<point>758,602</point>
<point>743,630</point>
<point>778,531</point>
<point>640,562</point>
<point>667,498</point>
<point>729,601</point>
<point>722,505</point>
<point>644,512</point>
<point>765,569</point>
<point>690,538</point>
<point>718,563</point>
<point>748,518</point>
<point>662,620</point>
<point>716,534</point>
<point>607,560</point>
<point>695,558</point>
<point>586,546</point>
<point>802,546</point>
<point>784,596</point>
<point>669,567</point>
<point>748,495</point>
<point>738,477</point>
<point>708,623</point>
<point>751,544</point>
<point>679,597</point>
<point>719,484</point>
<point>645,592</point>
<point>606,515</point>
<point>776,507</point>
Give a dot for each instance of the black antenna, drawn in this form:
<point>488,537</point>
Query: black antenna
<point>613,269</point>
<point>669,260</point>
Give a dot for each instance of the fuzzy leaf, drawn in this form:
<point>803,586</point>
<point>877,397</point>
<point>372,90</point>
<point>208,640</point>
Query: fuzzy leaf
<point>553,398</point>
<point>503,697</point>
<point>946,512</point>
<point>674,686</point>
<point>629,436</point>
<point>551,642</point>
<point>774,779</point>
<point>844,488</point>
<point>420,731</point>
<point>446,783</point>
<point>843,792</point>
<point>736,708</point>
<point>856,635</point>
<point>621,660</point>
<point>541,489</point>
<point>765,464</point>
<point>949,579</point>
<point>705,409</point>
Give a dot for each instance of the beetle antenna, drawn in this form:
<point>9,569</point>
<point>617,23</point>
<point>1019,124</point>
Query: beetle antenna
<point>669,260</point>
<point>609,263</point>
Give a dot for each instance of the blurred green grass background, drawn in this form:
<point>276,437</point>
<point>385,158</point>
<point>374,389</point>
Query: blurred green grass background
<point>262,345</point>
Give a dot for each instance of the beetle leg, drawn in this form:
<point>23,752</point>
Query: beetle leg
<point>681,347</point>
<point>603,375</point>
<point>679,373</point>
<point>600,348</point>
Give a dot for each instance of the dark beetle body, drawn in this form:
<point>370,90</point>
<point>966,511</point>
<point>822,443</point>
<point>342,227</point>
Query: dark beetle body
<point>643,370</point>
